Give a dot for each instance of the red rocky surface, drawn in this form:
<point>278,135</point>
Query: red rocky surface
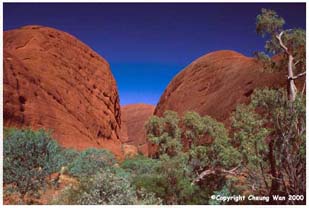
<point>215,84</point>
<point>54,81</point>
<point>133,119</point>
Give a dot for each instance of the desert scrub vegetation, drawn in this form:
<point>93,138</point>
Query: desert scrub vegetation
<point>194,154</point>
<point>31,157</point>
<point>263,154</point>
<point>271,135</point>
<point>91,161</point>
<point>105,188</point>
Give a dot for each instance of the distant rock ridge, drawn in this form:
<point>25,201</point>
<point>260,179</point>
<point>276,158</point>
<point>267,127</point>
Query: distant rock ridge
<point>133,119</point>
<point>54,81</point>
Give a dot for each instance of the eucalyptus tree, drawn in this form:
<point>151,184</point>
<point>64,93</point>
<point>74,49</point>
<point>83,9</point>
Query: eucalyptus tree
<point>288,43</point>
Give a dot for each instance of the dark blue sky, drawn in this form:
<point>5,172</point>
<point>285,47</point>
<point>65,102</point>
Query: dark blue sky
<point>148,44</point>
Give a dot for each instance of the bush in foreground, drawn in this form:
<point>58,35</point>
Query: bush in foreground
<point>29,157</point>
<point>105,188</point>
<point>91,161</point>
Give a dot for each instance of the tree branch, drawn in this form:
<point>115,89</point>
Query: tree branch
<point>297,62</point>
<point>297,76</point>
<point>215,171</point>
<point>279,37</point>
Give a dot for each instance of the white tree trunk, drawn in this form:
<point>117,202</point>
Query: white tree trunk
<point>292,90</point>
<point>292,87</point>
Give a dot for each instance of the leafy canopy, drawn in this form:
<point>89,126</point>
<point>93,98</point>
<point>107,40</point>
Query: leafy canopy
<point>271,137</point>
<point>183,154</point>
<point>269,24</point>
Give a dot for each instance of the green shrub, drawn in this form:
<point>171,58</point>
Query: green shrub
<point>29,156</point>
<point>91,161</point>
<point>139,165</point>
<point>165,133</point>
<point>105,188</point>
<point>64,158</point>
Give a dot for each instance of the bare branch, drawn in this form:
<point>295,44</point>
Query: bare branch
<point>203,174</point>
<point>297,76</point>
<point>297,62</point>
<point>300,74</point>
<point>229,172</point>
<point>279,37</point>
<point>215,171</point>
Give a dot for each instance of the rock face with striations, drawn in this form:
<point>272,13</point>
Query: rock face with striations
<point>133,119</point>
<point>215,84</point>
<point>54,81</point>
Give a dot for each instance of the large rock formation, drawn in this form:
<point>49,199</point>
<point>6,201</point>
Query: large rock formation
<point>133,119</point>
<point>215,84</point>
<point>54,81</point>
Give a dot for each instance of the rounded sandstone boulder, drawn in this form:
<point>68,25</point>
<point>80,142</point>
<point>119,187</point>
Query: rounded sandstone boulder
<point>54,81</point>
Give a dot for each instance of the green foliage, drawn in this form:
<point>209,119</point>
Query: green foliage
<point>223,192</point>
<point>268,64</point>
<point>105,188</point>
<point>221,151</point>
<point>268,22</point>
<point>250,135</point>
<point>176,174</point>
<point>91,161</point>
<point>288,123</point>
<point>29,156</point>
<point>168,180</point>
<point>272,141</point>
<point>139,165</point>
<point>64,158</point>
<point>271,24</point>
<point>165,132</point>
<point>295,40</point>
<point>194,127</point>
<point>146,175</point>
<point>172,178</point>
<point>152,182</point>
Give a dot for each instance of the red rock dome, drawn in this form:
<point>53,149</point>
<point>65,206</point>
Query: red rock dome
<point>215,84</point>
<point>54,81</point>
